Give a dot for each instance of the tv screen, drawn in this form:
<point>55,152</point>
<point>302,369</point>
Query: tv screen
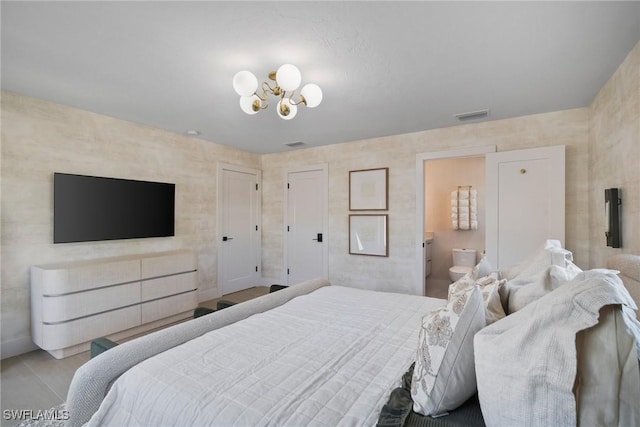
<point>90,208</point>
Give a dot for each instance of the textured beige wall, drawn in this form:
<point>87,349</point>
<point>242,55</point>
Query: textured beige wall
<point>398,153</point>
<point>614,160</point>
<point>39,138</point>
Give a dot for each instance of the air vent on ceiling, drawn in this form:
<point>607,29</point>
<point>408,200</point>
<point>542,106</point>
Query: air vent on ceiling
<point>472,115</point>
<point>294,144</point>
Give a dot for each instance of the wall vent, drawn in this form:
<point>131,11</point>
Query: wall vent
<point>472,115</point>
<point>295,144</point>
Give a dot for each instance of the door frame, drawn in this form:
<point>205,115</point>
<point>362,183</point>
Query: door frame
<point>219,204</point>
<point>324,168</point>
<point>421,158</point>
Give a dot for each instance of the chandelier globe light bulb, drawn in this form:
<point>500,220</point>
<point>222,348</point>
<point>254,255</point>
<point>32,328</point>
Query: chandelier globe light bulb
<point>248,104</point>
<point>312,95</point>
<point>286,110</point>
<point>288,77</point>
<point>245,83</point>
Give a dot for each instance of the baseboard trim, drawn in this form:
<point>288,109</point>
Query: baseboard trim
<point>17,347</point>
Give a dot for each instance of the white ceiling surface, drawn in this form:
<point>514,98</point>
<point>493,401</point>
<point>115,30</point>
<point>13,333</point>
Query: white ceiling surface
<point>385,68</point>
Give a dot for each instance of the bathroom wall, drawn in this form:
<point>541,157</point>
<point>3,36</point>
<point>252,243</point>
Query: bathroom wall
<point>441,178</point>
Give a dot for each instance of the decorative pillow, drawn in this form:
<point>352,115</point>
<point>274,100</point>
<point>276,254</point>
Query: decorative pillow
<point>550,253</point>
<point>444,376</point>
<point>465,283</point>
<point>529,358</point>
<point>490,288</point>
<point>482,269</point>
<point>560,275</point>
<point>533,279</point>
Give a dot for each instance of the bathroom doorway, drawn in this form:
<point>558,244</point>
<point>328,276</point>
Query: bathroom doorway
<point>511,178</point>
<point>447,228</point>
<point>440,174</point>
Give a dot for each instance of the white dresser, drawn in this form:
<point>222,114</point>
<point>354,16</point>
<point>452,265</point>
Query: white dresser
<point>73,303</point>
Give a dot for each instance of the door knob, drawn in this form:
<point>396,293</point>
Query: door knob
<point>319,238</point>
<point>225,238</point>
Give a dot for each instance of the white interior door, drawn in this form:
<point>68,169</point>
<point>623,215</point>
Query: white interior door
<point>306,251</point>
<point>238,229</point>
<point>525,202</point>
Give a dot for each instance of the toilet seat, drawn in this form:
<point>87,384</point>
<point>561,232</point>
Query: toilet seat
<point>457,272</point>
<point>460,269</point>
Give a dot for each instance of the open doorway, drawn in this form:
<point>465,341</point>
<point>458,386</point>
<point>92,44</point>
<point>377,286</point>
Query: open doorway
<point>524,203</point>
<point>445,229</point>
<point>438,175</point>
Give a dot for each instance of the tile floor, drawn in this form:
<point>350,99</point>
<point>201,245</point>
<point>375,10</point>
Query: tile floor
<point>38,381</point>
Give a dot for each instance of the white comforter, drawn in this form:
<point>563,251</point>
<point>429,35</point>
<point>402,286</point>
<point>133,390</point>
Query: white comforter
<point>329,358</point>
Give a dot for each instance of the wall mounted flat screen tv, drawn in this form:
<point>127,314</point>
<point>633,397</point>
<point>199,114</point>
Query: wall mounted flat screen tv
<point>90,208</point>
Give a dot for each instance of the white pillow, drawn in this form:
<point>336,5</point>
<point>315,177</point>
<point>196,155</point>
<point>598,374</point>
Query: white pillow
<point>482,269</point>
<point>528,358</point>
<point>550,253</point>
<point>561,275</point>
<point>535,278</point>
<point>443,376</point>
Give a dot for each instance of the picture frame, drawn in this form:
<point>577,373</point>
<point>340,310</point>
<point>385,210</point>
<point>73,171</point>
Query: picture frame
<point>369,234</point>
<point>369,190</point>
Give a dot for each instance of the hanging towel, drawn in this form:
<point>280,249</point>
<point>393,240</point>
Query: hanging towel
<point>454,209</point>
<point>464,207</point>
<point>473,208</point>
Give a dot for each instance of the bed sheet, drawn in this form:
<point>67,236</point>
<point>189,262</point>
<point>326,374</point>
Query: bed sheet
<point>329,358</point>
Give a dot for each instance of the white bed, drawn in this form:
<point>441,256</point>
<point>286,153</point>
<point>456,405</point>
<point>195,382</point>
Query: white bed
<point>323,359</point>
<point>310,355</point>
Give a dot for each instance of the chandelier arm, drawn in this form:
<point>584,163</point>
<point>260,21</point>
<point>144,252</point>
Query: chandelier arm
<point>301,101</point>
<point>264,97</point>
<point>268,89</point>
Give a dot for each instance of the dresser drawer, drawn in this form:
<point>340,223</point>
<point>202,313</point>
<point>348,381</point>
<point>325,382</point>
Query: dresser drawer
<point>165,307</point>
<point>82,276</point>
<point>167,286</point>
<point>67,307</point>
<point>168,263</point>
<point>79,331</point>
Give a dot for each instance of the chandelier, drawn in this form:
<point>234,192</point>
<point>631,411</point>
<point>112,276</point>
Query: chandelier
<point>285,82</point>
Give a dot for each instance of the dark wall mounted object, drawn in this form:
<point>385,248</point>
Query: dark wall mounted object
<point>613,203</point>
<point>90,208</point>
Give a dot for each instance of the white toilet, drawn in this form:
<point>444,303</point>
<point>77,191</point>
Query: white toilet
<point>463,262</point>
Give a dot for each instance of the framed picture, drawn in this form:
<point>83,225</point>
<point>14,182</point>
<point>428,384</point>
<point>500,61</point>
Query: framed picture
<point>369,234</point>
<point>369,190</point>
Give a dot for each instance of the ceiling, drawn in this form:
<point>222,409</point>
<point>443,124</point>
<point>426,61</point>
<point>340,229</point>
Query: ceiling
<point>385,68</point>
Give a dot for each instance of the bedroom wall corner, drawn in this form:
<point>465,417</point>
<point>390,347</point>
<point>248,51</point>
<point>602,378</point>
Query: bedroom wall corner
<point>39,138</point>
<point>614,157</point>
